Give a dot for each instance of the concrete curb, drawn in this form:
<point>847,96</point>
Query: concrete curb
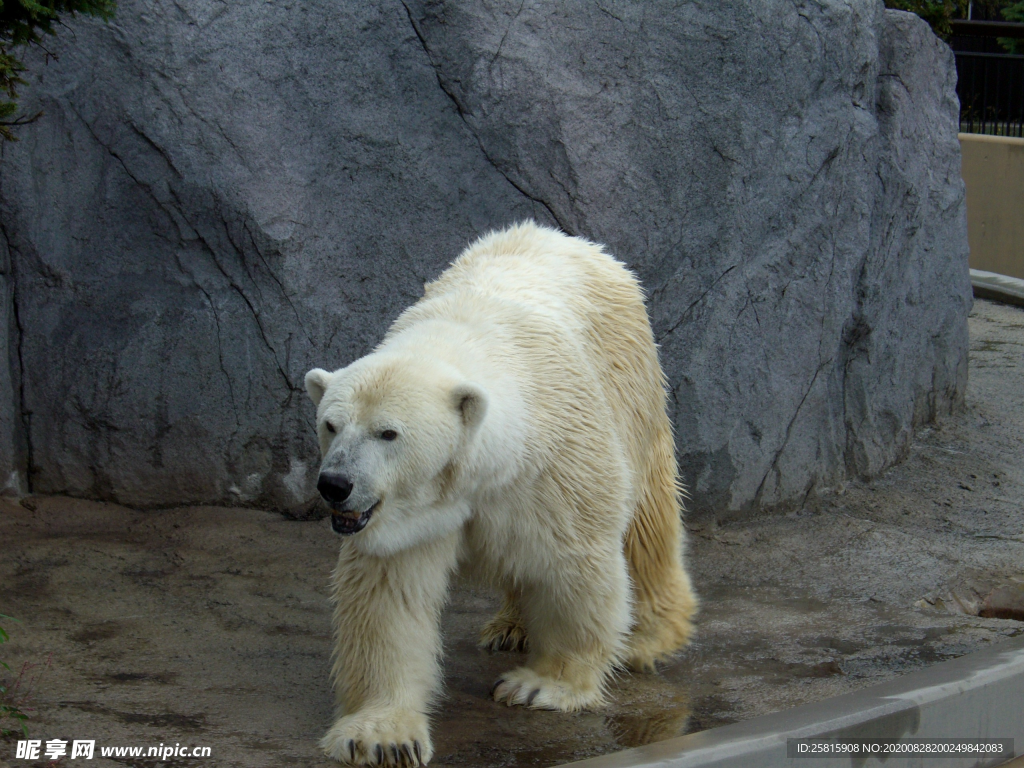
<point>989,285</point>
<point>977,696</point>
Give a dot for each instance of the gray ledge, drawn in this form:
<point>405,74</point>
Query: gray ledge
<point>977,696</point>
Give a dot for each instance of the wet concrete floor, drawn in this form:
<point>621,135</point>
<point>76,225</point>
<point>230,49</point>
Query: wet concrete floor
<point>210,627</point>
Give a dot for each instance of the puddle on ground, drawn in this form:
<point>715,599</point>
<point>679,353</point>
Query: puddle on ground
<point>757,651</point>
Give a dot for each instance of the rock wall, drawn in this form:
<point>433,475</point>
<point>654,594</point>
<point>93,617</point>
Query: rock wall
<point>220,197</point>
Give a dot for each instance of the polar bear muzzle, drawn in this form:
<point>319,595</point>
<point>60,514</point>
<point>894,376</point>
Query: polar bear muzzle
<point>347,523</point>
<point>335,490</point>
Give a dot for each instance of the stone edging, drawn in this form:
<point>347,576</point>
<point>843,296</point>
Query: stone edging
<point>989,285</point>
<point>977,696</point>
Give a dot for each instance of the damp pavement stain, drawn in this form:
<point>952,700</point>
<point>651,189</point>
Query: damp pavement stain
<point>210,627</point>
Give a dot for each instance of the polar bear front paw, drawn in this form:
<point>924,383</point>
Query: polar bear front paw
<point>526,687</point>
<point>398,738</point>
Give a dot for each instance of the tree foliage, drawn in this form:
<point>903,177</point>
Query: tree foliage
<point>25,22</point>
<point>937,14</point>
<point>1014,12</point>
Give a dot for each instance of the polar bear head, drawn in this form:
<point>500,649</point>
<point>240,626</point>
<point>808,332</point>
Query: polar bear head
<point>393,430</point>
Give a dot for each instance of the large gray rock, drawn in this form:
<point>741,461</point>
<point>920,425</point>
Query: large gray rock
<point>220,197</point>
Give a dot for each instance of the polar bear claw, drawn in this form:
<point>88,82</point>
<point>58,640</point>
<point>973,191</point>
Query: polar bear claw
<point>525,687</point>
<point>398,739</point>
<point>502,634</point>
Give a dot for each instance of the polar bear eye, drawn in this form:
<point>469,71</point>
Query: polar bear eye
<point>388,434</point>
<point>330,427</point>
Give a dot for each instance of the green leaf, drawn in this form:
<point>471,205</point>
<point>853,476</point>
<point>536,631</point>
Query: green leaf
<point>25,22</point>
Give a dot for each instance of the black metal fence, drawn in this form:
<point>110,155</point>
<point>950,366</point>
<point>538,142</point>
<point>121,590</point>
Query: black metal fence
<point>991,91</point>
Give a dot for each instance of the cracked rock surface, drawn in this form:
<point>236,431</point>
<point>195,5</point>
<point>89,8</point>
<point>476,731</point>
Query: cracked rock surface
<point>221,196</point>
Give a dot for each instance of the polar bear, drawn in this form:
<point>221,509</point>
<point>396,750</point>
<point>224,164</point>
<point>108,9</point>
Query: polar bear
<point>511,424</point>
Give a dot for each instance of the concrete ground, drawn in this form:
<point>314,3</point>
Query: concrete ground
<point>210,627</point>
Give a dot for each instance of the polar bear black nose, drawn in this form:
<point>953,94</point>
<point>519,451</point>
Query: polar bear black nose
<point>334,488</point>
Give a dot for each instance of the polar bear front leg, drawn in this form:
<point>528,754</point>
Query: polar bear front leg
<point>577,628</point>
<point>386,669</point>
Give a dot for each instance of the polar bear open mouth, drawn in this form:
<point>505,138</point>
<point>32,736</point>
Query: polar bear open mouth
<point>347,522</point>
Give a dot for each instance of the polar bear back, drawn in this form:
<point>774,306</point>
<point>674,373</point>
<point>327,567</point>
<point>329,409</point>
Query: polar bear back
<point>575,311</point>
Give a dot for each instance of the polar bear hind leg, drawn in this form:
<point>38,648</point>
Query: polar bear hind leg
<point>506,631</point>
<point>622,344</point>
<point>664,603</point>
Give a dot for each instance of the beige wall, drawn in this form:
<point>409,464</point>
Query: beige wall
<point>993,170</point>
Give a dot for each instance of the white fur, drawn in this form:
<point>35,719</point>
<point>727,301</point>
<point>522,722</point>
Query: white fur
<point>513,460</point>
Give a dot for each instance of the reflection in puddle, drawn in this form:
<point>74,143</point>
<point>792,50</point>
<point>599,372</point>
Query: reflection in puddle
<point>666,719</point>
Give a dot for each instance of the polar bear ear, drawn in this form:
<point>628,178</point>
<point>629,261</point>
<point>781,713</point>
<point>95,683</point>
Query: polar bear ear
<point>471,403</point>
<point>316,384</point>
